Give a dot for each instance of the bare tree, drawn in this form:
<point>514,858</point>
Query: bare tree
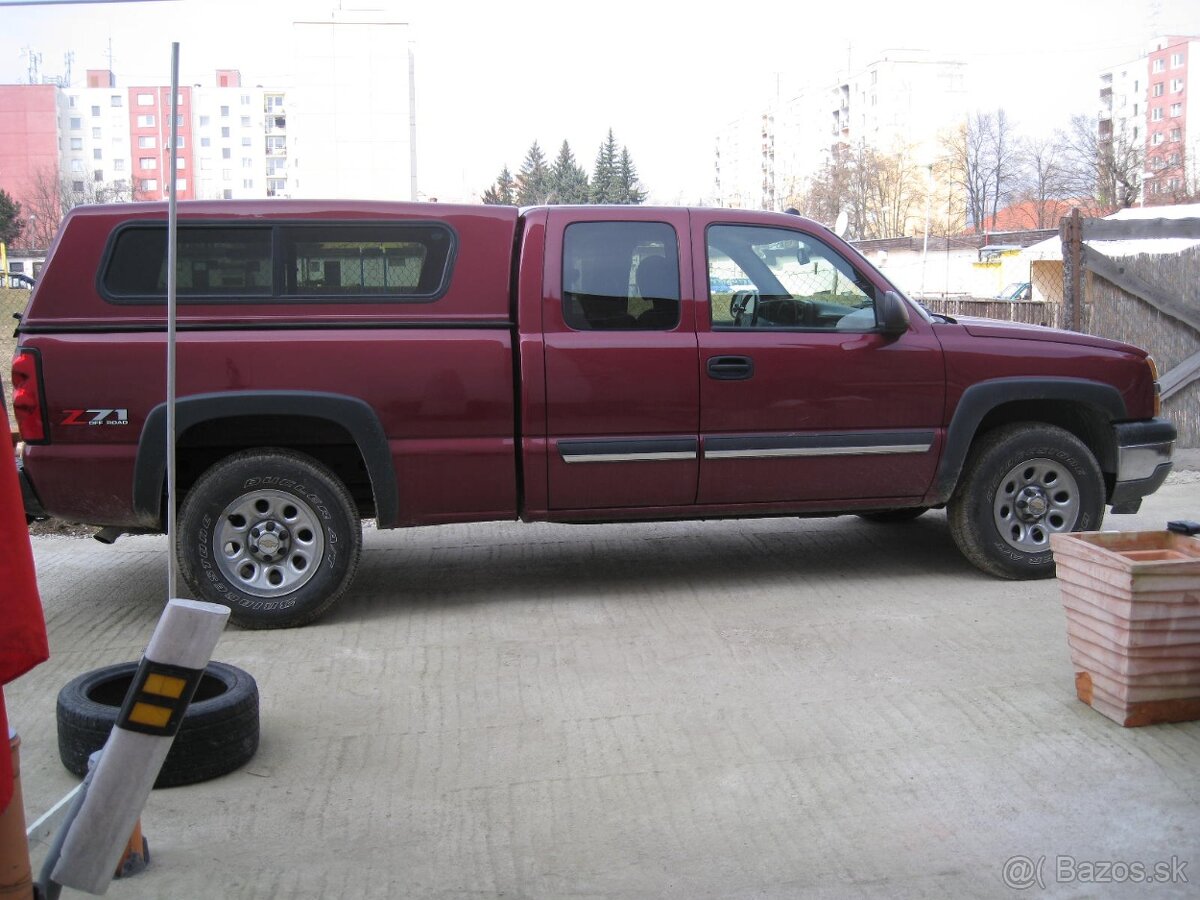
<point>983,162</point>
<point>1043,183</point>
<point>53,196</point>
<point>1102,166</point>
<point>881,193</point>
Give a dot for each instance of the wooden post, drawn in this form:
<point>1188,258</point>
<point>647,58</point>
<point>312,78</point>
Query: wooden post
<point>16,876</point>
<point>1071,234</point>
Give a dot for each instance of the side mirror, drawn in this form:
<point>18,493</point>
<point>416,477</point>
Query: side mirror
<point>802,254</point>
<point>892,314</point>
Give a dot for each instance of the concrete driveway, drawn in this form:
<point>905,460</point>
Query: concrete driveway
<point>773,708</point>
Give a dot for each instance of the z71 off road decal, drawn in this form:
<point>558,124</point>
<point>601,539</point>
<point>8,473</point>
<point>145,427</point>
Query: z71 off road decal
<point>95,417</point>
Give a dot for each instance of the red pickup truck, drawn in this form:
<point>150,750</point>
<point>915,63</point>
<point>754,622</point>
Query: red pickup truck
<point>422,364</point>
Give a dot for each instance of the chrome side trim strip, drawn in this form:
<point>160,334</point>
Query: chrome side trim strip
<point>627,457</point>
<point>852,450</point>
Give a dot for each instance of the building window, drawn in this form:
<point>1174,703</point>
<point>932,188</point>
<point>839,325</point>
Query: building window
<point>224,112</point>
<point>226,153</point>
<point>114,100</point>
<point>225,131</point>
<point>71,102</point>
<point>1176,60</point>
<point>145,142</point>
<point>1159,65</point>
<point>204,121</point>
<point>76,123</point>
<point>1158,89</point>
<point>245,142</point>
<point>1176,110</point>
<point>1176,85</point>
<point>96,134</point>
<point>227,194</point>
<point>77,187</point>
<point>118,165</point>
<point>147,162</point>
<point>1174,160</point>
<point>95,111</point>
<point>245,121</point>
<point>1156,114</point>
<point>145,99</point>
<point>76,143</point>
<point>97,175</point>
<point>180,163</point>
<point>149,184</point>
<point>1175,134</point>
<point>248,182</point>
<point>1156,139</point>
<point>247,162</point>
<point>97,154</point>
<point>227,174</point>
<point>245,99</point>
<point>145,121</point>
<point>205,142</point>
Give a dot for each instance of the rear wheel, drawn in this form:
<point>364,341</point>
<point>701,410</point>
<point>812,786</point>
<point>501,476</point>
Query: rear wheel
<point>272,534</point>
<point>1022,483</point>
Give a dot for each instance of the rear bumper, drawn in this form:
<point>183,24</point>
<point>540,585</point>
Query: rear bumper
<point>29,498</point>
<point>1143,461</point>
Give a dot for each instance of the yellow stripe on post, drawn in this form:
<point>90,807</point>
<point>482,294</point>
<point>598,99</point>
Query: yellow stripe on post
<point>150,715</point>
<point>164,686</point>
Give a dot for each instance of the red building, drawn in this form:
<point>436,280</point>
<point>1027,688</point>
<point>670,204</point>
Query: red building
<point>150,142</point>
<point>29,154</point>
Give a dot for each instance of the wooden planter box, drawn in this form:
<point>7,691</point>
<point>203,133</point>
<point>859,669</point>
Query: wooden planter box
<point>1133,622</point>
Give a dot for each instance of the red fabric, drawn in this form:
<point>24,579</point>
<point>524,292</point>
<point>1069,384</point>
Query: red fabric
<point>22,626</point>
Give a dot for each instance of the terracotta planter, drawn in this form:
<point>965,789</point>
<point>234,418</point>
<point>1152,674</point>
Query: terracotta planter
<point>1133,622</point>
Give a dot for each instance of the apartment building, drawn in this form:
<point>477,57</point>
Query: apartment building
<point>1145,104</point>
<point>903,99</point>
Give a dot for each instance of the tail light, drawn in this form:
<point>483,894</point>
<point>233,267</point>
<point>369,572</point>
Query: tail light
<point>27,400</point>
<point>1157,389</point>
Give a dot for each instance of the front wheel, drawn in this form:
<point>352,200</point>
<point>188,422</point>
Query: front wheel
<point>272,534</point>
<point>1022,483</point>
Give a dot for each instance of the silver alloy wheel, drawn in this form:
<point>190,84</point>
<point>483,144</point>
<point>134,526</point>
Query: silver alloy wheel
<point>268,543</point>
<point>1036,498</point>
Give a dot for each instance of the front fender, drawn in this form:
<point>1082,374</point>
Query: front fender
<point>980,399</point>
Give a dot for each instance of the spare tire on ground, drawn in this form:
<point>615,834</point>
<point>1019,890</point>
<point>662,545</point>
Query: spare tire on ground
<point>219,732</point>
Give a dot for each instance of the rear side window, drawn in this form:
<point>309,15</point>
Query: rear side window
<point>327,261</point>
<point>620,276</point>
<point>365,260</point>
<point>229,262</point>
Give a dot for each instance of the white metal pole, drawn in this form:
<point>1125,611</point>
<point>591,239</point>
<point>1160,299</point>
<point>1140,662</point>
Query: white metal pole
<point>172,235</point>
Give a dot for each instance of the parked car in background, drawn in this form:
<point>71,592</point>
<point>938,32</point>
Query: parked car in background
<point>1018,290</point>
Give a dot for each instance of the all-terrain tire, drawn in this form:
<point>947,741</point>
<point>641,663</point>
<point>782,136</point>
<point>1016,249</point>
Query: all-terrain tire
<point>1021,483</point>
<point>218,734</point>
<point>272,534</point>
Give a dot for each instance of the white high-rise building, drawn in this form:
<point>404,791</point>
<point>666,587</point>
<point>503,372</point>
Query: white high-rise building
<point>352,108</point>
<point>903,100</point>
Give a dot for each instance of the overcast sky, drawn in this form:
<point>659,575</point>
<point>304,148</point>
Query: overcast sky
<point>665,75</point>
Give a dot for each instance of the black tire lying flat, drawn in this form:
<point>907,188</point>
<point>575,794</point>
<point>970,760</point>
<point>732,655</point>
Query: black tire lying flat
<point>1022,483</point>
<point>272,534</point>
<point>219,732</point>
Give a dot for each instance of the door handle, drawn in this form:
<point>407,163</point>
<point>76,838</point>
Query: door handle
<point>730,368</point>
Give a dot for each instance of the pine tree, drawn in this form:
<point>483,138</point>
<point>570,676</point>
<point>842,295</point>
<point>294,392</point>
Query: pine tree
<point>501,193</point>
<point>533,181</point>
<point>568,180</point>
<point>11,221</point>
<point>629,190</point>
<point>605,174</point>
